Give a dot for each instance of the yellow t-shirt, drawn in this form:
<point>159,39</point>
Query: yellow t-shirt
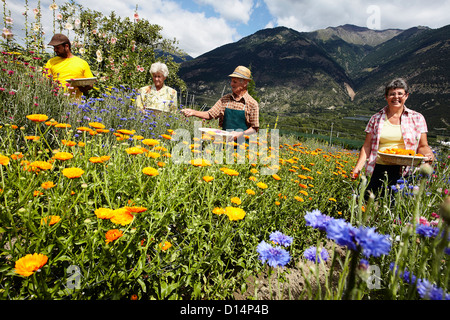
<point>63,69</point>
<point>390,137</point>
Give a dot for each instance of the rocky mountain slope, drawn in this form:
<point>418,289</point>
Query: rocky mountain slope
<point>332,74</point>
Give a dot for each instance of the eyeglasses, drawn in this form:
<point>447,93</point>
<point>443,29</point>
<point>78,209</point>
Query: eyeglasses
<point>400,95</point>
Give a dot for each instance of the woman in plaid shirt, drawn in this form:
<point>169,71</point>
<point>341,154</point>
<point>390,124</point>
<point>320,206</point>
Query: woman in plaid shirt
<point>394,126</point>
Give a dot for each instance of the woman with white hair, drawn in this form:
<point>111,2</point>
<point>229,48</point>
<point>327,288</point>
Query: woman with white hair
<point>157,97</point>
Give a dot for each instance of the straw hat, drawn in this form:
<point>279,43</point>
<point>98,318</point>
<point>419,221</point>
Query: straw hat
<point>58,39</point>
<point>241,72</point>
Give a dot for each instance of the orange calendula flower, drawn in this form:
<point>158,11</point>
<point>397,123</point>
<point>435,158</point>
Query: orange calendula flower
<point>299,199</point>
<point>122,216</point>
<point>27,265</point>
<point>37,117</point>
<point>37,193</point>
<point>166,136</point>
<point>112,235</point>
<point>68,143</point>
<point>262,185</point>
<point>32,138</point>
<point>4,160</point>
<point>236,200</point>
<point>135,209</point>
<point>63,156</point>
<point>50,220</point>
<point>150,171</point>
<point>97,125</point>
<point>126,132</point>
<point>218,211</point>
<point>276,177</point>
<point>47,185</point>
<point>87,129</point>
<point>234,213</point>
<point>208,178</point>
<point>277,203</point>
<point>104,213</point>
<point>43,165</point>
<point>72,173</point>
<point>165,246</point>
<point>161,164</point>
<point>250,192</point>
<point>150,142</point>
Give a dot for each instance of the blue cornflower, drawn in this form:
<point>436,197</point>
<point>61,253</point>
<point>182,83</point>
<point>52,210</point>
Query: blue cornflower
<point>311,254</point>
<point>275,256</point>
<point>430,291</point>
<point>341,232</point>
<point>317,220</point>
<point>372,243</point>
<point>278,238</point>
<point>427,231</point>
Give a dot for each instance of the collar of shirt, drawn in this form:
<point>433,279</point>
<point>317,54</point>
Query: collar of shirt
<point>244,97</point>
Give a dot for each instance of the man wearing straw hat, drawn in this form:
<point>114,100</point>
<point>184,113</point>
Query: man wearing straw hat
<point>237,111</point>
<point>66,66</point>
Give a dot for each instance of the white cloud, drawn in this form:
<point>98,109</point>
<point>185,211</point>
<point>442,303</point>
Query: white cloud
<point>309,15</point>
<point>232,10</point>
<point>195,32</point>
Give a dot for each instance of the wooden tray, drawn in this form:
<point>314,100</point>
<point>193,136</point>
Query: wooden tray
<point>216,132</point>
<point>401,159</point>
<point>80,82</point>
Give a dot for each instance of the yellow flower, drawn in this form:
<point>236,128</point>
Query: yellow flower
<point>72,173</point>
<point>37,117</point>
<point>262,185</point>
<point>208,178</point>
<point>234,213</point>
<point>63,156</point>
<point>276,177</point>
<point>165,246</point>
<point>47,185</point>
<point>299,199</point>
<point>150,171</point>
<point>218,211</point>
<point>27,265</point>
<point>153,155</point>
<point>332,199</point>
<point>134,150</point>
<point>51,221</point>
<point>104,213</point>
<point>303,192</point>
<point>84,129</point>
<point>135,209</point>
<point>112,235</point>
<point>230,172</point>
<point>200,163</point>
<point>250,192</point>
<point>62,125</point>
<point>4,160</point>
<point>277,203</point>
<point>236,200</point>
<point>33,138</point>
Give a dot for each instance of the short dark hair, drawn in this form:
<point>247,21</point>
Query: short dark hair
<point>398,83</point>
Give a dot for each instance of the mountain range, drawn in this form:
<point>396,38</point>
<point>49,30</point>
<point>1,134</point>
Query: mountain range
<point>334,75</point>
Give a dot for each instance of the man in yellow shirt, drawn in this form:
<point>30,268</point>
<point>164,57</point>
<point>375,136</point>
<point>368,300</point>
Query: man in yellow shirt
<point>66,66</point>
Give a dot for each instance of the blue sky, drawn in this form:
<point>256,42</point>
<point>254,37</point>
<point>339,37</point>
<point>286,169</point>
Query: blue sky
<point>203,25</point>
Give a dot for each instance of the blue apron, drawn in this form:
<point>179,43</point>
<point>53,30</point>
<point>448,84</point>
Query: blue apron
<point>234,119</point>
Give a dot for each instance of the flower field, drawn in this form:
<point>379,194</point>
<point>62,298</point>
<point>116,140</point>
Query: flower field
<point>97,203</point>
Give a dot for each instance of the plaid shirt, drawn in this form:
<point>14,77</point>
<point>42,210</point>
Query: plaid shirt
<point>228,101</point>
<point>413,124</point>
